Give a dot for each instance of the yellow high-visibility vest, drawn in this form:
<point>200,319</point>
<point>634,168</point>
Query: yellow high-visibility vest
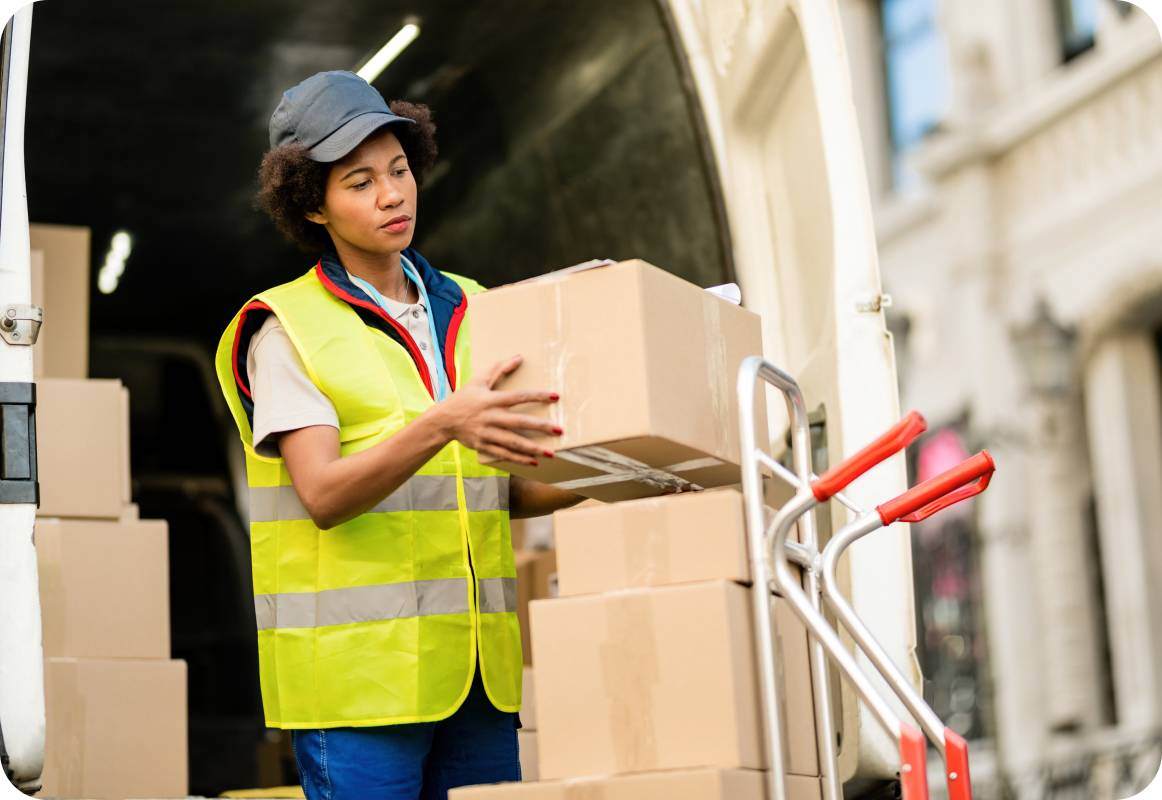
<point>383,619</point>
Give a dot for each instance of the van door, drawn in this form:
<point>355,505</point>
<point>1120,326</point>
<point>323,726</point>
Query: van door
<point>21,676</point>
<point>772,83</point>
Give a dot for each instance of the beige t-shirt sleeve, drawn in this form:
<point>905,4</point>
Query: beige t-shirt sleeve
<point>285,398</point>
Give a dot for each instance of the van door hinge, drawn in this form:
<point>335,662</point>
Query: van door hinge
<point>18,476</point>
<point>874,304</point>
<point>20,324</point>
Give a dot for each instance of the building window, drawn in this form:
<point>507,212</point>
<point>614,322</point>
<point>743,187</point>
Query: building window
<point>1076,25</point>
<point>916,68</point>
<point>951,643</point>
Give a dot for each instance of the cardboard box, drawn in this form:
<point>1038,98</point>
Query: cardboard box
<point>528,701</point>
<point>645,364</point>
<point>697,784</point>
<point>104,588</point>
<point>82,431</point>
<point>527,742</point>
<point>116,729</point>
<point>793,684</point>
<point>275,764</point>
<point>654,541</point>
<point>647,679</point>
<point>660,679</point>
<point>536,579</point>
<point>517,533</point>
<point>532,533</point>
<point>60,285</point>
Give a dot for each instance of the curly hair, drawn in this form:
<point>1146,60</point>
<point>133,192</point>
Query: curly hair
<point>291,184</point>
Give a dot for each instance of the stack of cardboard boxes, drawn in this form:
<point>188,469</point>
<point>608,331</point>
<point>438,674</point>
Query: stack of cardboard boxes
<point>646,673</point>
<point>115,701</point>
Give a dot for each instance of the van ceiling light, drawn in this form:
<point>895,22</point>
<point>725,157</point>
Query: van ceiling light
<point>109,275</point>
<point>378,62</point>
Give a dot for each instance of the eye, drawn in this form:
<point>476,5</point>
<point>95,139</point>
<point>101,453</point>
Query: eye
<point>401,171</point>
<point>361,185</point>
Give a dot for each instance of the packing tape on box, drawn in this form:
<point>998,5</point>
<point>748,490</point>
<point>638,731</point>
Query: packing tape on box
<point>555,352</point>
<point>47,537</point>
<point>719,379</point>
<point>620,469</point>
<point>629,661</point>
<point>645,544</point>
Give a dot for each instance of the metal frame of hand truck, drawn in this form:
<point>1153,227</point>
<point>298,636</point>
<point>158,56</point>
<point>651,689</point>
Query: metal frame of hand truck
<point>771,556</point>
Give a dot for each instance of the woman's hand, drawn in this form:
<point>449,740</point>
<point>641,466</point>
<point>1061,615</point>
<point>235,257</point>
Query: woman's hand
<point>529,498</point>
<point>336,488</point>
<point>479,417</point>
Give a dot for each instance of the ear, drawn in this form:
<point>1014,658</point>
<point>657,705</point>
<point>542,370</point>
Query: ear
<point>317,217</point>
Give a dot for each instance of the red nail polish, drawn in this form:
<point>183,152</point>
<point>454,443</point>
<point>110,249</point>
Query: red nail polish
<point>536,463</point>
<point>548,453</point>
<point>554,397</point>
<point>558,431</point>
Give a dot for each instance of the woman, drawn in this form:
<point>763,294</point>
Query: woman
<point>385,589</point>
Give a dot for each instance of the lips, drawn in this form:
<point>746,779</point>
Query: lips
<point>396,225</point>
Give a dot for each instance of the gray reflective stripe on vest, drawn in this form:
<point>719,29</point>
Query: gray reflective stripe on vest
<point>418,493</point>
<point>381,602</point>
<point>497,595</point>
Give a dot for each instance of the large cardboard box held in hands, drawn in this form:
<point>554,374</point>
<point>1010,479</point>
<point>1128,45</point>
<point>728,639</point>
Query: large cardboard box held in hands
<point>115,729</point>
<point>646,679</point>
<point>60,285</point>
<point>653,541</point>
<point>104,588</point>
<point>82,447</point>
<point>695,784</point>
<point>645,364</point>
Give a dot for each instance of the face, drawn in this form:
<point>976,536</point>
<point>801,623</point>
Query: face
<point>370,199</point>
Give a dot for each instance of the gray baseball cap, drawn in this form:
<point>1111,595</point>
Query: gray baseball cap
<point>330,113</point>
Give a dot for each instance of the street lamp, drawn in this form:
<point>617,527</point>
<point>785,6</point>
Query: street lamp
<point>1046,350</point>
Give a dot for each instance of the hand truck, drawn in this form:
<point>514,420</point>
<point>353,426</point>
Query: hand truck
<point>771,556</point>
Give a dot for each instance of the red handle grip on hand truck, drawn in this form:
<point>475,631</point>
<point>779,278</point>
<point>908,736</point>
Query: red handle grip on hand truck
<point>896,439</point>
<point>956,766</point>
<point>967,479</point>
<point>913,763</point>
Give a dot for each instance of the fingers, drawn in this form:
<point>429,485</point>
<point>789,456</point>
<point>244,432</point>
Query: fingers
<point>502,368</point>
<point>515,398</point>
<point>508,455</point>
<point>523,422</point>
<point>514,442</point>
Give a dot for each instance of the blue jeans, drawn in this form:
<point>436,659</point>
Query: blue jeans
<point>418,761</point>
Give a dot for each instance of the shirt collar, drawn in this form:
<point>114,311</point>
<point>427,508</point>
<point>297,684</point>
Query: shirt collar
<point>444,294</point>
<point>394,308</point>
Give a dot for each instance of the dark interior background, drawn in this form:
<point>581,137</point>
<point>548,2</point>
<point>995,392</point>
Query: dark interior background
<point>567,132</point>
<point>564,128</point>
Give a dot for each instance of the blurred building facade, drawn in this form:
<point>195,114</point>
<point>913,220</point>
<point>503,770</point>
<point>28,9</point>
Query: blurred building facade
<point>1015,158</point>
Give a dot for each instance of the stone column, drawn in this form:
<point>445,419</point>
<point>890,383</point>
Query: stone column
<point>1065,569</point>
<point>1012,624</point>
<point>1124,410</point>
<point>1064,574</point>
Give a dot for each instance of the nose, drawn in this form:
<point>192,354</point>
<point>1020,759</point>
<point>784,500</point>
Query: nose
<point>389,195</point>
